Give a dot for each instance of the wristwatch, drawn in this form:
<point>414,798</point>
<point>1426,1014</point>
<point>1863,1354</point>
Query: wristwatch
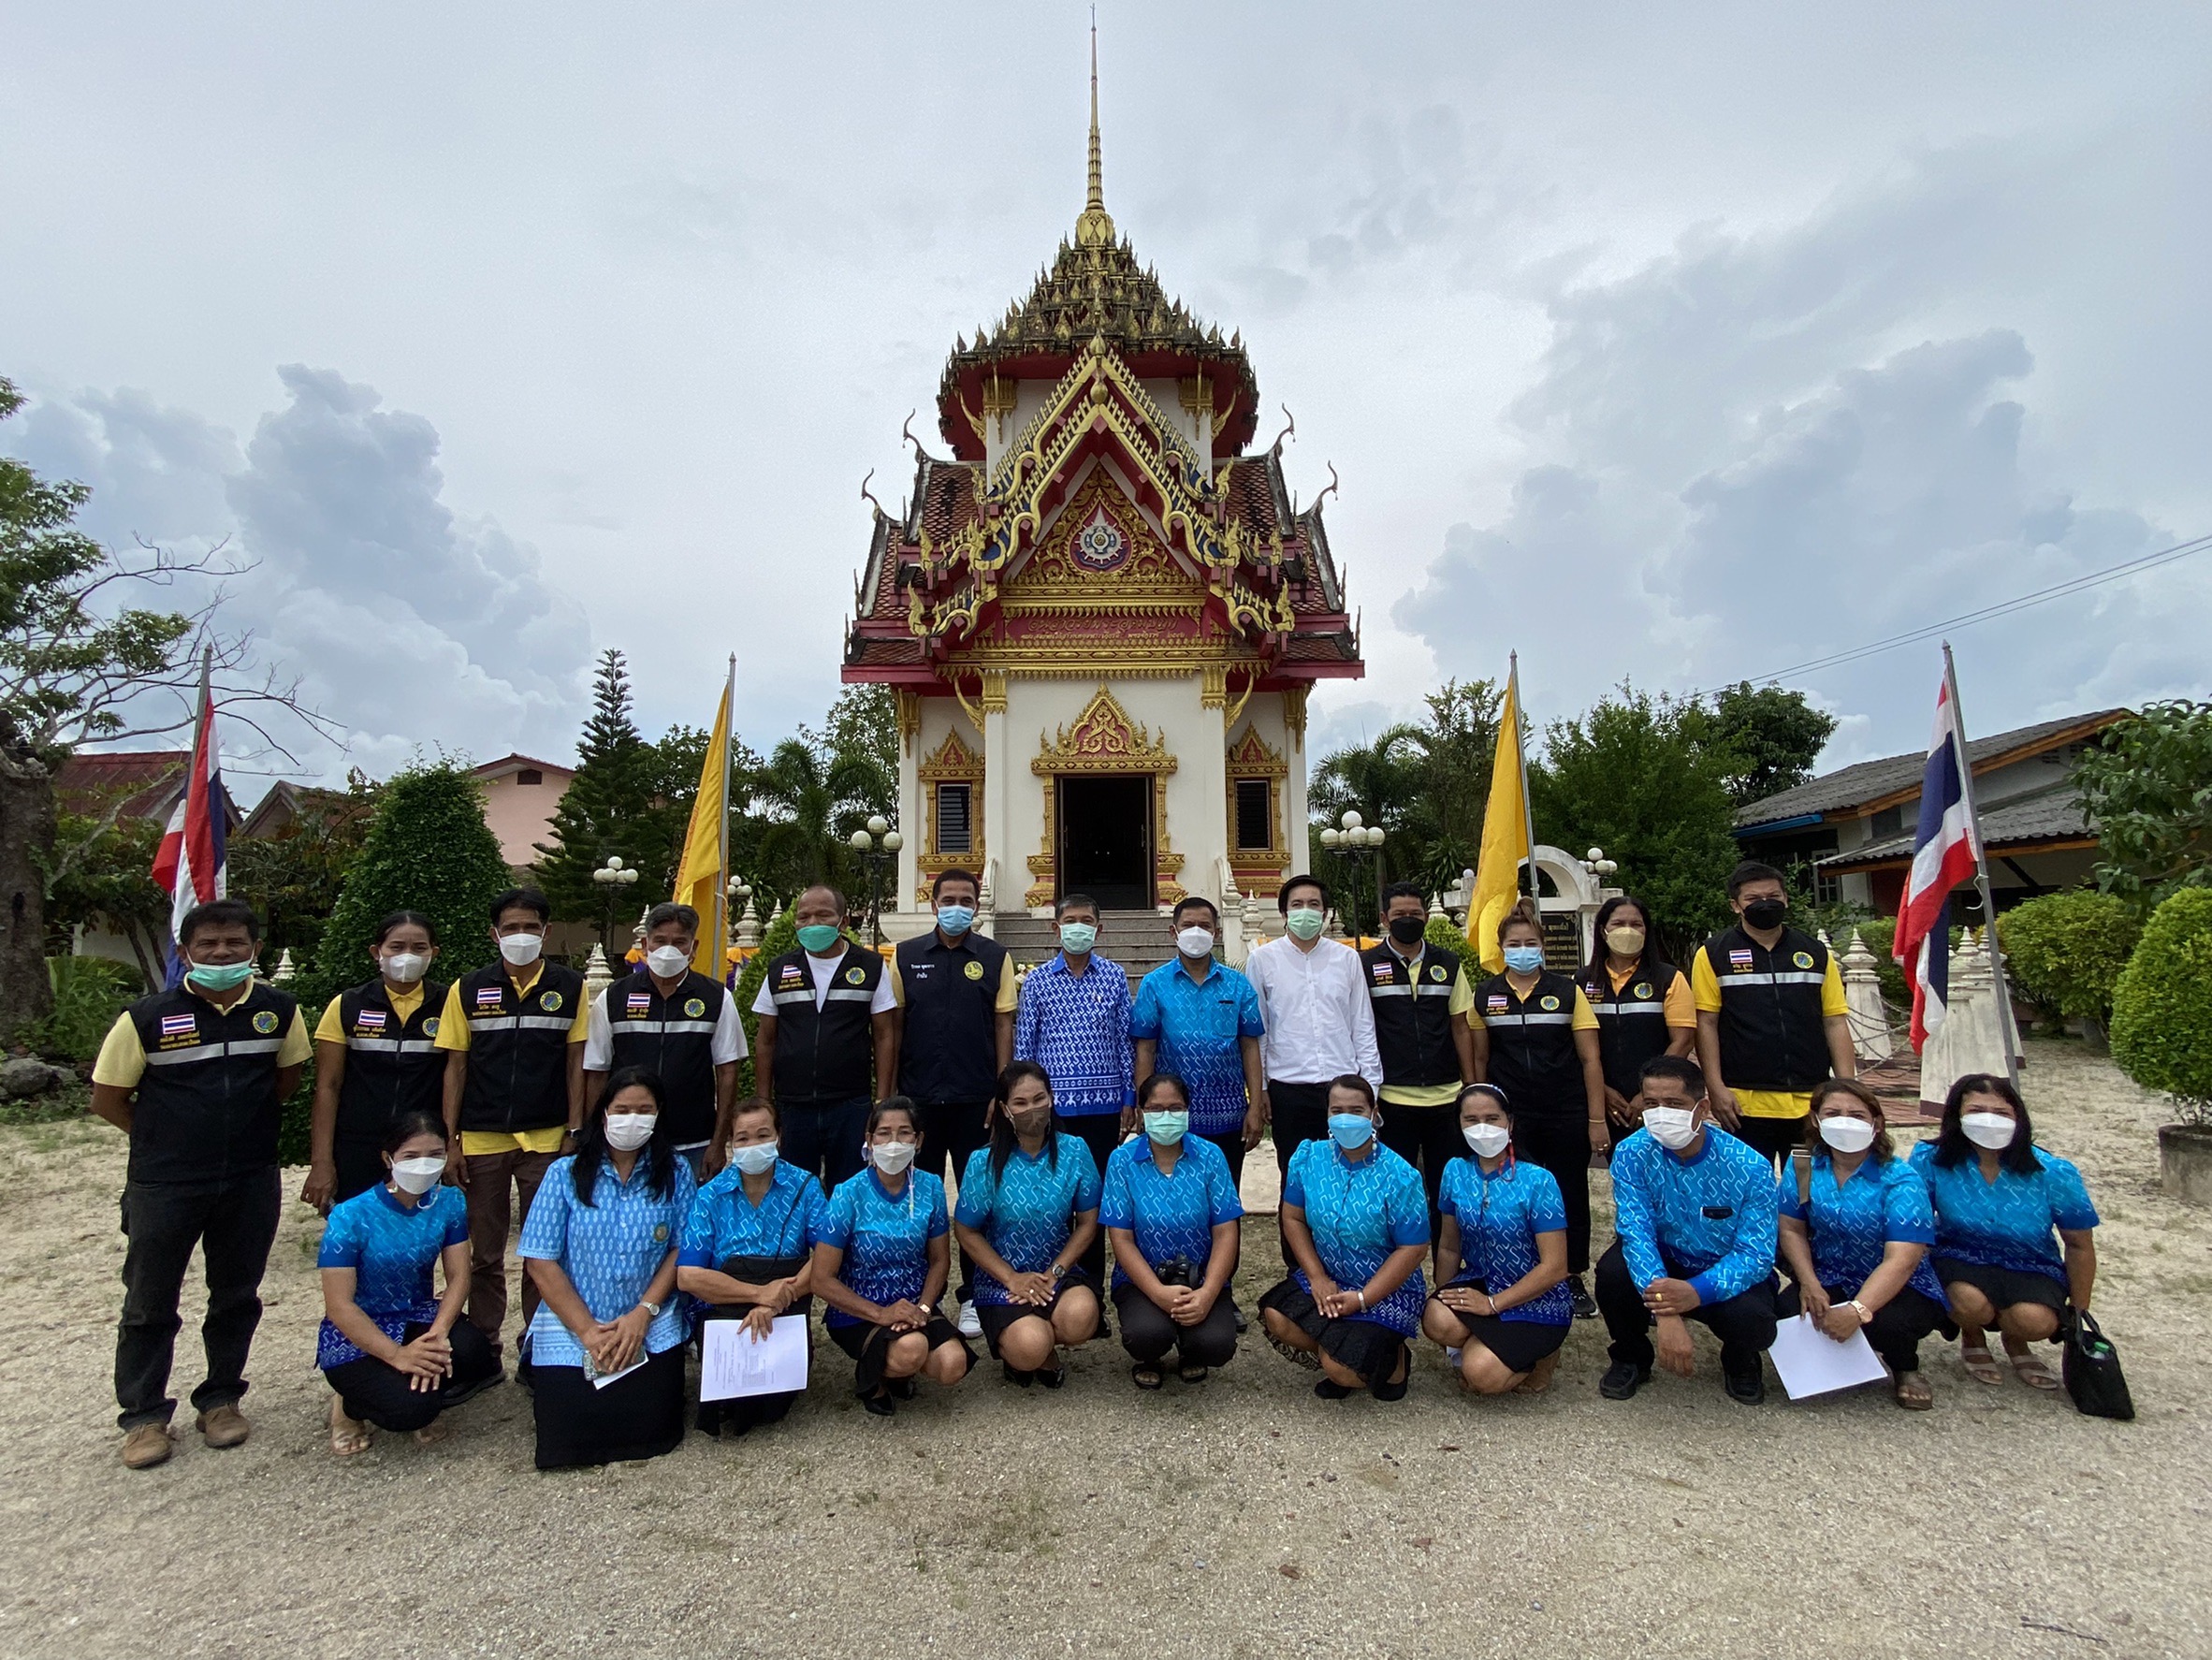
<point>1059,1271</point>
<point>1860,1309</point>
<point>651,1307</point>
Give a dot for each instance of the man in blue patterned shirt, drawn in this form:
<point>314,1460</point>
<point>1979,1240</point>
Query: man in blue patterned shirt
<point>1200,1019</point>
<point>1693,1225</point>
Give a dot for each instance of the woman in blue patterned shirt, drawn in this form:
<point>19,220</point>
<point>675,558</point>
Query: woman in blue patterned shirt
<point>1356,1219</point>
<point>1997,1200</point>
<point>1504,1307</point>
<point>1029,1211</point>
<point>600,1244</point>
<point>397,1355</point>
<point>882,1252</point>
<point>1856,1228</point>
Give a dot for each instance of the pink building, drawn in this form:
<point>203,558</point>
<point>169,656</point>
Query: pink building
<point>520,795</point>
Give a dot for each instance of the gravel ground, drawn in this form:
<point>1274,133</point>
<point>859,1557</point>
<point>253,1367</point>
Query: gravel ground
<point>1242,1518</point>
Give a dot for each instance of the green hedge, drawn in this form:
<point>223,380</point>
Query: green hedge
<point>88,994</point>
<point>2162,1009</point>
<point>2066,951</point>
<point>1445,932</point>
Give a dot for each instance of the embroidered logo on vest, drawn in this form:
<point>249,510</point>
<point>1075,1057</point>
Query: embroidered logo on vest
<point>265,1021</point>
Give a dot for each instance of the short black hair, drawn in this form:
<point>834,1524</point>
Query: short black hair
<point>1305,878</point>
<point>1680,1068</point>
<point>1952,1145</point>
<point>1195,902</point>
<point>408,1124</point>
<point>1353,1082</point>
<point>832,889</point>
<point>667,911</point>
<point>1155,1081</point>
<point>937,885</point>
<point>219,914</point>
<point>1067,902</point>
<point>400,919</point>
<point>1403,890</point>
<point>1752,870</point>
<point>522,899</point>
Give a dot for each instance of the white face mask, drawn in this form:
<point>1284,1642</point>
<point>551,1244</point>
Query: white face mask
<point>628,1131</point>
<point>668,961</point>
<point>405,966</point>
<point>1672,1128</point>
<point>521,949</point>
<point>1993,1130</point>
<point>890,1158</point>
<point>754,1160</point>
<point>1195,942</point>
<point>1486,1141</point>
<point>1847,1135</point>
<point>418,1175</point>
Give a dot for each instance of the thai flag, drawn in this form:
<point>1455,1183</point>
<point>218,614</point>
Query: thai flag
<point>1946,850</point>
<point>190,866</point>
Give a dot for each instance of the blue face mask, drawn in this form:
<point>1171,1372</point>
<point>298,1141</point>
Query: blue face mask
<point>955,919</point>
<point>1352,1131</point>
<point>1524,959</point>
<point>818,936</point>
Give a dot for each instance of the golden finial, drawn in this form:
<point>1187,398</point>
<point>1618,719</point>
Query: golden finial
<point>1095,228</point>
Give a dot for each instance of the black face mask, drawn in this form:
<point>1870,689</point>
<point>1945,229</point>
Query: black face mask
<point>1765,913</point>
<point>1407,930</point>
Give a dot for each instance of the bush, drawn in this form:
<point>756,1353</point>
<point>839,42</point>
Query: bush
<point>1445,932</point>
<point>2162,1009</point>
<point>88,994</point>
<point>780,936</point>
<point>2066,951</point>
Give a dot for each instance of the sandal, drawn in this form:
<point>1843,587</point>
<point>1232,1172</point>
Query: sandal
<point>352,1441</point>
<point>1539,1376</point>
<point>1147,1377</point>
<point>1980,1365</point>
<point>1193,1374</point>
<point>1913,1391</point>
<point>1308,1358</point>
<point>2033,1373</point>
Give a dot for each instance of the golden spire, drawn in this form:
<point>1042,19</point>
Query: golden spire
<point>1094,229</point>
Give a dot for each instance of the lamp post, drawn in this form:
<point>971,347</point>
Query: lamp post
<point>877,844</point>
<point>614,878</point>
<point>1353,839</point>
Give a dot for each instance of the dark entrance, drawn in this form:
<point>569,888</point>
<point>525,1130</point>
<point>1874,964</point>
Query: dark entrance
<point>1106,840</point>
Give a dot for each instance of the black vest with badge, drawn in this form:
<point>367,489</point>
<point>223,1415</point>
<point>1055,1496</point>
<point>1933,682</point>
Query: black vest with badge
<point>392,1066</point>
<point>1413,1013</point>
<point>1532,1045</point>
<point>950,1049</point>
<point>673,1036</point>
<point>207,1107</point>
<point>824,1054</point>
<point>1631,1020</point>
<point>519,1048</point>
<point>1773,1035</point>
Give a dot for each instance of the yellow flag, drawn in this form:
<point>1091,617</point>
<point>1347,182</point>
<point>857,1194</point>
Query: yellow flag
<point>699,875</point>
<point>1505,837</point>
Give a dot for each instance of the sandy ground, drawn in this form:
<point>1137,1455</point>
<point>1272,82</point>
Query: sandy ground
<point>1242,1518</point>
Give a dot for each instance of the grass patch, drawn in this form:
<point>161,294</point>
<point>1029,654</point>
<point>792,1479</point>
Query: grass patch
<point>72,1101</point>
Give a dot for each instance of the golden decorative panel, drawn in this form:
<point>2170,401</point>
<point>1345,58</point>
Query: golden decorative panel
<point>1099,556</point>
<point>1258,871</point>
<point>951,762</point>
<point>1103,739</point>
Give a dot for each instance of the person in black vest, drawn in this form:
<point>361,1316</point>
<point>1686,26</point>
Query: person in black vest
<point>376,1061</point>
<point>957,997</point>
<point>670,1019</point>
<point>1535,1037</point>
<point>1422,999</point>
<point>826,1012</point>
<point>1772,1018</point>
<point>197,1078</point>
<point>1642,1003</point>
<point>514,1040</point>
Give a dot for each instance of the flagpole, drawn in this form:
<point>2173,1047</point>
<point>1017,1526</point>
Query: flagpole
<point>2007,1030</point>
<point>721,881</point>
<point>1528,808</point>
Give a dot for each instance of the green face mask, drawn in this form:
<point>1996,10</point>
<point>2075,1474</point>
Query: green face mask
<point>818,936</point>
<point>220,976</point>
<point>1305,922</point>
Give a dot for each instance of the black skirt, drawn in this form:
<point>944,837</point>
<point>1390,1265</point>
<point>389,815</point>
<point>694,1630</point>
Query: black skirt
<point>637,1416</point>
<point>870,1346</point>
<point>746,1412</point>
<point>996,1316</point>
<point>1518,1345</point>
<point>1367,1349</point>
<point>2003,1286</point>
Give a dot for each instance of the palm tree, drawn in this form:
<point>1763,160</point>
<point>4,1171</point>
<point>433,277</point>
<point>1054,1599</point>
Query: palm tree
<point>1383,781</point>
<point>813,802</point>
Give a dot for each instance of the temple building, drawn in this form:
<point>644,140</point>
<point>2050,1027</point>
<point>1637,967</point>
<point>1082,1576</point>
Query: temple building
<point>1101,612</point>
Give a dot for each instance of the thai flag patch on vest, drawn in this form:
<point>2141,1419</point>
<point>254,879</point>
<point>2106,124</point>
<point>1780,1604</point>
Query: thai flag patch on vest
<point>641,1002</point>
<point>179,1025</point>
<point>370,1020</point>
<point>487,996</point>
<point>1739,958</point>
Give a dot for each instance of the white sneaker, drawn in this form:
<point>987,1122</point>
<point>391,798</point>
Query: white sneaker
<point>972,1324</point>
<point>1452,1358</point>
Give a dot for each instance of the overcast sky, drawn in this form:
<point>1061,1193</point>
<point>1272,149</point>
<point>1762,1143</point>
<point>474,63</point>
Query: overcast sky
<point>1676,344</point>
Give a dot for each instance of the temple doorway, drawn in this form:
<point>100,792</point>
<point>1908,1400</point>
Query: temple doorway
<point>1105,841</point>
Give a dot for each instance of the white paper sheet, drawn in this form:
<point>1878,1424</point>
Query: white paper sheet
<point>1810,1362</point>
<point>601,1379</point>
<point>731,1363</point>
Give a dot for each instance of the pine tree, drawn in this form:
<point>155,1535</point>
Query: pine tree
<point>610,807</point>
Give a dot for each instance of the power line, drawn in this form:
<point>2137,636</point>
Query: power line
<point>2180,550</point>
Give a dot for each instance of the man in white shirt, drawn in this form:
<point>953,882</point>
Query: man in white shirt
<point>1321,1026</point>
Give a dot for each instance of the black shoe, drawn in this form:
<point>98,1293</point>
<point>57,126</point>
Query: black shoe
<point>1622,1380</point>
<point>880,1405</point>
<point>1578,1294</point>
<point>1330,1389</point>
<point>1014,1375</point>
<point>1746,1389</point>
<point>1052,1379</point>
<point>902,1389</point>
<point>1236,1319</point>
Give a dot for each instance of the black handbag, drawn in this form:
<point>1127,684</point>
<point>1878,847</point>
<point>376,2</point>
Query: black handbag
<point>2092,1371</point>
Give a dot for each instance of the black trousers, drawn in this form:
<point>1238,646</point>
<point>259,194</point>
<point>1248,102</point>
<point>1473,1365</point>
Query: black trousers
<point>1147,1332</point>
<point>1101,1133</point>
<point>1232,1149</point>
<point>636,1416</point>
<point>1298,1113</point>
<point>380,1394</point>
<point>1426,1138</point>
<point>1744,1323</point>
<point>1897,1328</point>
<point>823,1137</point>
<point>233,1222</point>
<point>951,1131</point>
<point>1775,1138</point>
<point>1562,1145</point>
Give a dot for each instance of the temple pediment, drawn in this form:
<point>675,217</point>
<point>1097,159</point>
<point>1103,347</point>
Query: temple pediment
<point>1100,552</point>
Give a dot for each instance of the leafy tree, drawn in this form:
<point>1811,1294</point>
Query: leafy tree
<point>611,807</point>
<point>864,720</point>
<point>813,798</point>
<point>1382,782</point>
<point>2066,951</point>
<point>1636,776</point>
<point>1774,736</point>
<point>107,883</point>
<point>2146,786</point>
<point>2161,1020</point>
<point>292,880</point>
